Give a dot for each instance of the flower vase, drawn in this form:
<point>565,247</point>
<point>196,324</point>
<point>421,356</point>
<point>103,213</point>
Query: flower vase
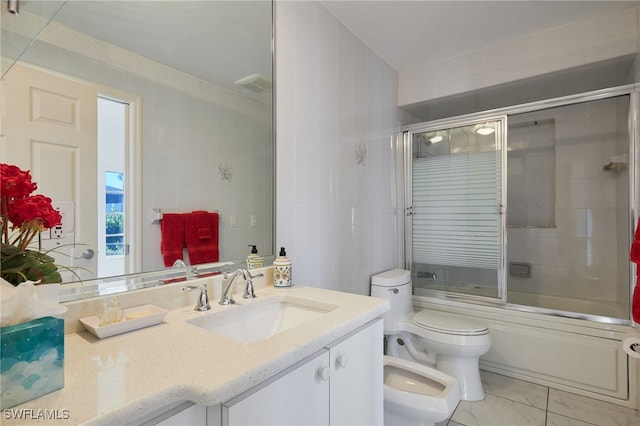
<point>31,360</point>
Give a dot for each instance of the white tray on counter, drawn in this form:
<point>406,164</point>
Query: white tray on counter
<point>132,319</point>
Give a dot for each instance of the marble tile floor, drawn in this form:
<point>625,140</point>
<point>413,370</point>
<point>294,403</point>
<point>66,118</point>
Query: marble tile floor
<point>513,402</point>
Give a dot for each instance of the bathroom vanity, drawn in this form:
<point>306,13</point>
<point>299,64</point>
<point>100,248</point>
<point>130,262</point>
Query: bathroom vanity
<point>318,390</point>
<point>200,368</point>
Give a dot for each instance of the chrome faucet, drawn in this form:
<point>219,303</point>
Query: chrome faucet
<point>191,272</point>
<point>227,299</point>
<point>203,300</point>
<point>227,294</point>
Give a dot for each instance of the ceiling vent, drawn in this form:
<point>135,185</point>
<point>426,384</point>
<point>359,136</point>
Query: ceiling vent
<point>255,83</point>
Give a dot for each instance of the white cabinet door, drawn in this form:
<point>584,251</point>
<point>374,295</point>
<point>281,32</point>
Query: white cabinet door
<point>185,414</point>
<point>338,386</point>
<point>297,397</point>
<point>356,390</point>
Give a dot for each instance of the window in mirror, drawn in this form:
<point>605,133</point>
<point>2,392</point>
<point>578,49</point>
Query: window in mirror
<point>114,214</point>
<point>112,138</point>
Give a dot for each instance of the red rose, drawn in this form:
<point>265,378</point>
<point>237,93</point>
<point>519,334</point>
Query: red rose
<point>15,183</point>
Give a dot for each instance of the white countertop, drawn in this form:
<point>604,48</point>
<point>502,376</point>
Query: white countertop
<point>125,377</point>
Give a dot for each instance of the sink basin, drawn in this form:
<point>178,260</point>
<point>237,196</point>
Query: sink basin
<point>257,321</point>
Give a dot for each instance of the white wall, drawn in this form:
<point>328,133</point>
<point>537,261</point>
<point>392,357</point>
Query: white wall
<point>335,115</point>
<point>185,140</point>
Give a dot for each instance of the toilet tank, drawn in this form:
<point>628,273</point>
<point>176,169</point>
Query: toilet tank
<point>394,286</point>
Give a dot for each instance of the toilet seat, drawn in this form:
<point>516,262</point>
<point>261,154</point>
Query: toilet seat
<point>418,390</point>
<point>448,323</point>
<point>410,377</point>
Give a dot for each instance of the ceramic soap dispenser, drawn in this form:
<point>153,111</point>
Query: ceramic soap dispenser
<point>282,270</point>
<point>254,260</point>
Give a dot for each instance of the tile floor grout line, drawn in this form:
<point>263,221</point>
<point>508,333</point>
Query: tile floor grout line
<point>546,408</point>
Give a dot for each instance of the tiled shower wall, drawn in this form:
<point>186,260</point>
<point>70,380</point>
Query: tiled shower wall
<point>574,257</point>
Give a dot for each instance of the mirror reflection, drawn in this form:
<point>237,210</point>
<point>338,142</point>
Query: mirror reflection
<point>137,111</point>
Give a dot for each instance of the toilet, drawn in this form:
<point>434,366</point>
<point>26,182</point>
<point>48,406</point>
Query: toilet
<point>417,395</point>
<point>452,344</point>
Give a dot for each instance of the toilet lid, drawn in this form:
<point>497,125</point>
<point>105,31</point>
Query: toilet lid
<point>442,322</point>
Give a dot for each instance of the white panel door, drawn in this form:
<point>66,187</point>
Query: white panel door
<point>50,127</point>
<point>356,390</point>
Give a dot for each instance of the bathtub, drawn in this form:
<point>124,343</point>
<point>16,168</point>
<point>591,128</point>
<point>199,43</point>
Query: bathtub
<point>570,305</point>
<point>553,349</point>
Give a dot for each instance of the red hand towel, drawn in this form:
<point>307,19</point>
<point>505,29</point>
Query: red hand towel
<point>635,258</point>
<point>201,235</point>
<point>634,255</point>
<point>635,303</point>
<point>203,225</point>
<point>172,229</point>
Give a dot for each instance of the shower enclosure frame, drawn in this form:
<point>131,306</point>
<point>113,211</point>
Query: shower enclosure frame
<point>501,138</point>
<point>403,147</point>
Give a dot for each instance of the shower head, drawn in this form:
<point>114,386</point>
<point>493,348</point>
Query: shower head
<point>617,163</point>
<point>614,167</point>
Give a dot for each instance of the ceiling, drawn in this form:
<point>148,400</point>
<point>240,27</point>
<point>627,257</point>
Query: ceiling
<point>410,33</point>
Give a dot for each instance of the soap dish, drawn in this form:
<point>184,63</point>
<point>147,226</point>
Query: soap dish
<point>132,319</point>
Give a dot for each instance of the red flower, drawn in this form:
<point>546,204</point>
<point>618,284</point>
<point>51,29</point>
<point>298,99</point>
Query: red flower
<point>34,210</point>
<point>26,215</point>
<point>15,182</point>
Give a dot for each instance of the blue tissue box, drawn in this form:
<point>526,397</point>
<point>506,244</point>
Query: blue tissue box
<point>31,360</point>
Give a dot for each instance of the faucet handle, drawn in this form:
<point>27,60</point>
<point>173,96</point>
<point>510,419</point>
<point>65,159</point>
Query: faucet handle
<point>249,292</point>
<point>254,276</point>
<point>203,300</point>
<point>192,272</point>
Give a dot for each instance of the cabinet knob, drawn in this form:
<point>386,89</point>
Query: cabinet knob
<point>324,373</point>
<point>342,361</point>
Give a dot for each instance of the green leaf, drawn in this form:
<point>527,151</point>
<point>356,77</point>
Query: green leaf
<point>31,265</point>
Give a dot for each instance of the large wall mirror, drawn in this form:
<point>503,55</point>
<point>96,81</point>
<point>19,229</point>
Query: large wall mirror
<point>127,111</point>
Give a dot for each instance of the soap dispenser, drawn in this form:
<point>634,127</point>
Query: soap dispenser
<point>282,270</point>
<point>254,260</point>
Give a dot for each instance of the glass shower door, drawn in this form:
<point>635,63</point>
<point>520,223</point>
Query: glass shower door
<point>568,216</point>
<point>454,219</point>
